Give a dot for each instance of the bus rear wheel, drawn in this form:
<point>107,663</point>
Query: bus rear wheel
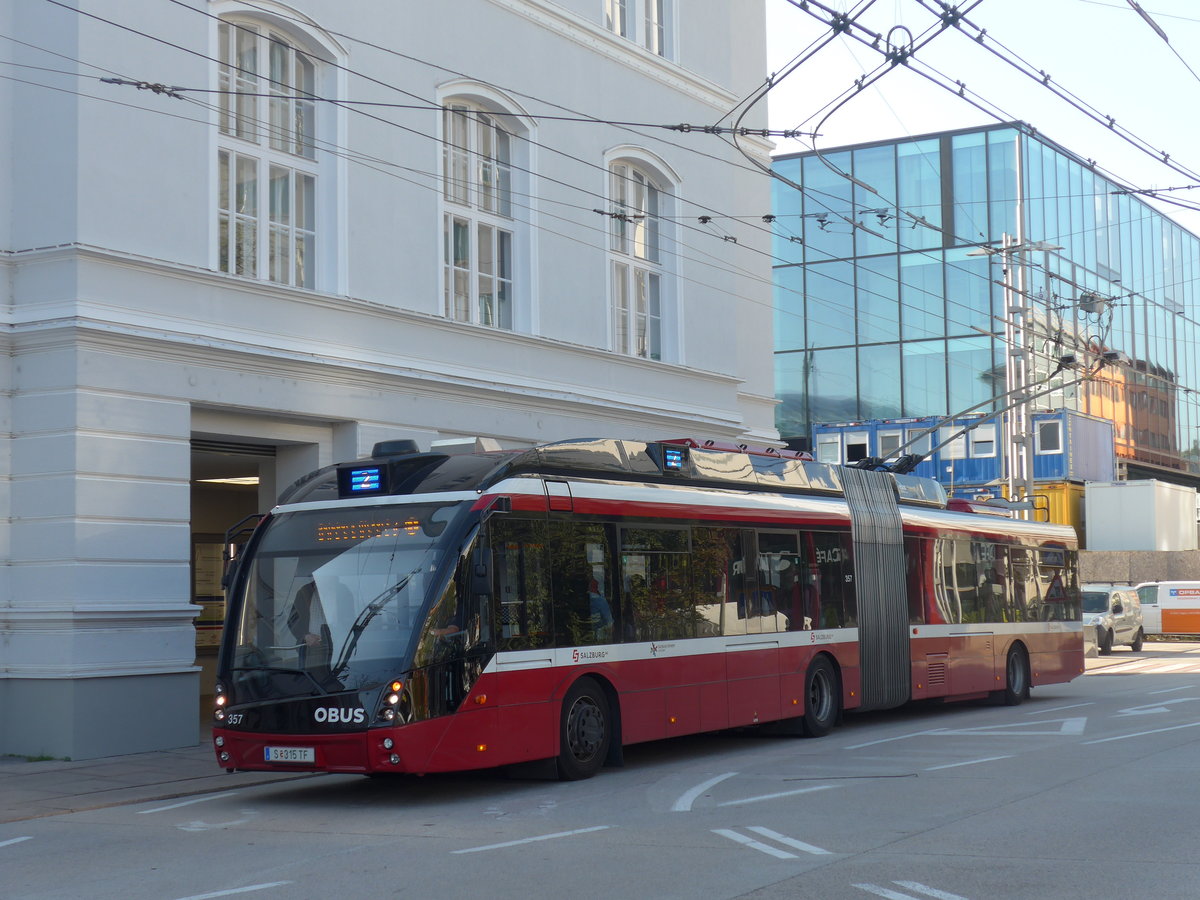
<point>822,700</point>
<point>585,731</point>
<point>1016,678</point>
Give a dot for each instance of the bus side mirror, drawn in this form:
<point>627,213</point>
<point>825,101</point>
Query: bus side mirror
<point>481,571</point>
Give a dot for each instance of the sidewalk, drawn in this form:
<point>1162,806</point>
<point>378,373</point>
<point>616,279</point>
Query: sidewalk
<point>30,790</point>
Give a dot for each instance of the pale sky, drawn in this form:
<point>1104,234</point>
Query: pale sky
<point>1101,51</point>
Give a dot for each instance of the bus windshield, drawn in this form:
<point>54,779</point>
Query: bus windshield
<point>331,597</point>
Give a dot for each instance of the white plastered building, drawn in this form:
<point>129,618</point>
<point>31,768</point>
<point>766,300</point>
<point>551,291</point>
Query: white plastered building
<point>351,223</point>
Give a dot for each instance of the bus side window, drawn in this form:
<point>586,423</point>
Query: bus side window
<point>521,586</point>
<point>581,583</point>
<point>654,571</point>
<point>917,552</point>
<point>711,567</point>
<point>835,570</point>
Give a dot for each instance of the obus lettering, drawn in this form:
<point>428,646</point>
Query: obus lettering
<point>333,715</point>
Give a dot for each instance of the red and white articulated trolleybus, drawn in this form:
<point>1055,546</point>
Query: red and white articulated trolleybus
<point>427,611</point>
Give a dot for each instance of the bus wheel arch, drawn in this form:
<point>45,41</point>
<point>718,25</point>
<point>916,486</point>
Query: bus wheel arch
<point>588,728</point>
<point>822,696</point>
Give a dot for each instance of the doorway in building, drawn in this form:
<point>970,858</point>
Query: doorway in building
<point>225,492</point>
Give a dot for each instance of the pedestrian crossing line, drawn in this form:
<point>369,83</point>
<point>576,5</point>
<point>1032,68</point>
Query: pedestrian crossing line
<point>753,844</point>
<point>767,848</point>
<point>923,889</point>
<point>787,841</point>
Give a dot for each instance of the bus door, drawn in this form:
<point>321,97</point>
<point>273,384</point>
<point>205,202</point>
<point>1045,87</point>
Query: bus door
<point>751,636</point>
<point>458,641</point>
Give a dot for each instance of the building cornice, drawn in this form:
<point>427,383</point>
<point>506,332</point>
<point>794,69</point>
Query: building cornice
<point>64,323</point>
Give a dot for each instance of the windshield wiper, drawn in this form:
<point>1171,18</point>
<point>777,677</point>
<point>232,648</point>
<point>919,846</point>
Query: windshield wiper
<point>368,612</point>
<point>303,672</point>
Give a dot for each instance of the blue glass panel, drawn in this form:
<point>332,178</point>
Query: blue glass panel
<point>787,205</point>
<point>969,292</point>
<point>919,188</point>
<point>789,308</point>
<point>827,205</point>
<point>792,371</point>
<point>876,167</point>
<point>833,387</point>
<point>973,375</point>
<point>1052,232</point>
<point>924,364</point>
<point>969,160</point>
<point>1002,182</point>
<point>879,381</point>
<point>829,295</point>
<point>922,306</point>
<point>878,300</point>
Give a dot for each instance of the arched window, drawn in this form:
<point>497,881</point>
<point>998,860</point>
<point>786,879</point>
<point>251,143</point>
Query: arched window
<point>483,229</point>
<point>640,283</point>
<point>270,194</point>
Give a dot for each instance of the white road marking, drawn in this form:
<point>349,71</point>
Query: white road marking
<point>1067,726</point>
<point>928,891</point>
<point>1122,737</point>
<point>1151,708</point>
<point>888,740</point>
<point>909,885</point>
<point>205,799</point>
<point>684,803</point>
<point>533,840</point>
<point>1042,712</point>
<point>786,841</point>
<point>241,890</point>
<point>15,841</point>
<point>753,844</point>
<point>1183,687</point>
<point>808,790</point>
<point>970,762</point>
<point>884,892</point>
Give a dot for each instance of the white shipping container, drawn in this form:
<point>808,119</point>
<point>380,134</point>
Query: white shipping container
<point>1139,515</point>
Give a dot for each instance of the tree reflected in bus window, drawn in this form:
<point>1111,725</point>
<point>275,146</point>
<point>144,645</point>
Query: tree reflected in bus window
<point>581,583</point>
<point>713,553</point>
<point>521,583</point>
<point>655,583</point>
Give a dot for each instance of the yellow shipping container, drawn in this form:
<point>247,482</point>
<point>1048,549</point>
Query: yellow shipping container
<point>1060,502</point>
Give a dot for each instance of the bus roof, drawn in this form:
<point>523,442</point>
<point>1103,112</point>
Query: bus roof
<point>676,461</point>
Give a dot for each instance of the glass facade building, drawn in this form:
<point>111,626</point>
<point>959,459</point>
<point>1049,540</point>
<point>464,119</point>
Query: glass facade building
<point>888,303</point>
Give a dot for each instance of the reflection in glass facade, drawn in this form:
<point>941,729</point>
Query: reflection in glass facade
<point>883,312</point>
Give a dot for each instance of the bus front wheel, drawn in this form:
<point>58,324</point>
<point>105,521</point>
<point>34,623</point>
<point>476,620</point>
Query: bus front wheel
<point>585,731</point>
<point>822,700</point>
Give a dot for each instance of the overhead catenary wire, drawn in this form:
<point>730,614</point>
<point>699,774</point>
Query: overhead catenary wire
<point>384,120</point>
<point>392,123</point>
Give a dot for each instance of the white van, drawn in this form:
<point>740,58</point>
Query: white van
<point>1114,613</point>
<point>1170,607</point>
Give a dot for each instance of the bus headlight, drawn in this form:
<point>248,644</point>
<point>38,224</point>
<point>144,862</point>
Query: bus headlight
<point>394,703</point>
